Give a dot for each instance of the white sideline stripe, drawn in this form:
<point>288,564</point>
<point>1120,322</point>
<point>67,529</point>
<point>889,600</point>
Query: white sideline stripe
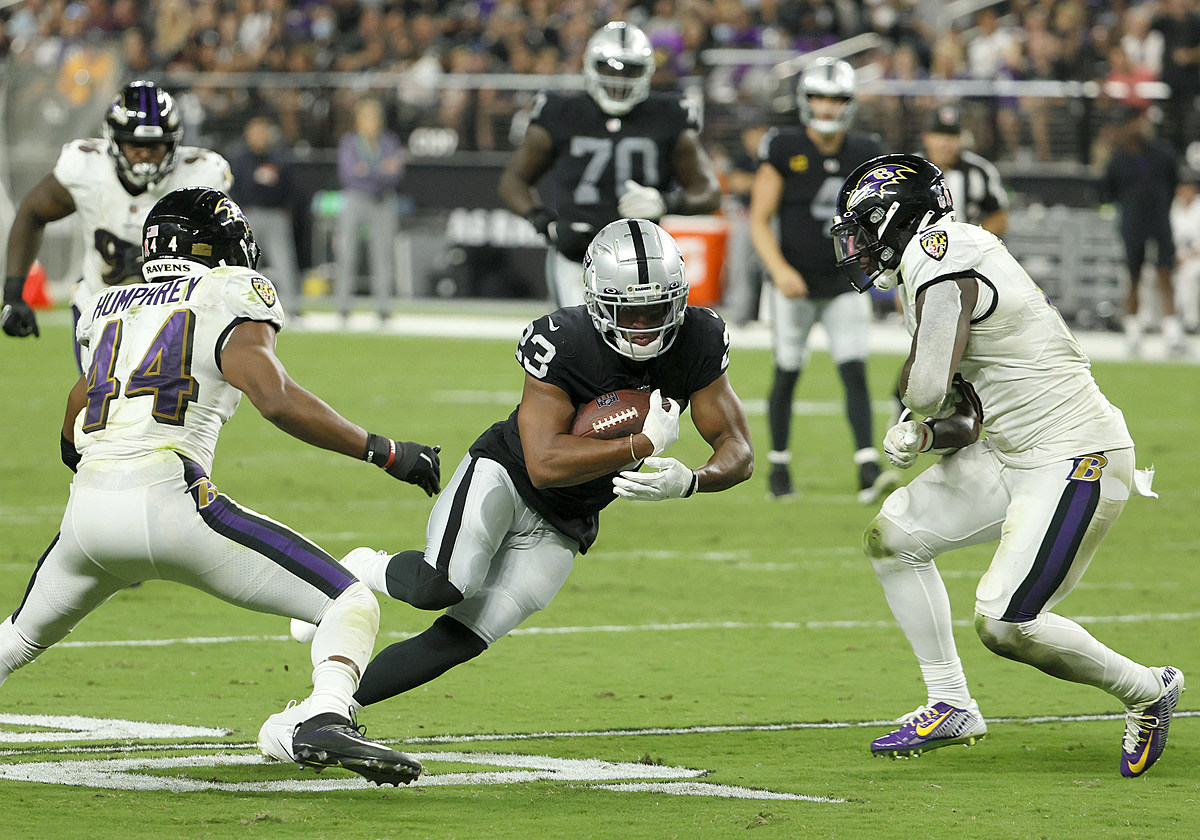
<point>641,628</point>
<point>709,789</point>
<point>716,729</point>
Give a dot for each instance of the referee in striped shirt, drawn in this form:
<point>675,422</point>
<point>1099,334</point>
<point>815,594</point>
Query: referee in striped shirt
<point>979,197</point>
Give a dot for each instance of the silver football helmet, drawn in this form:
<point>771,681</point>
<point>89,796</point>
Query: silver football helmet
<point>617,65</point>
<point>827,77</point>
<point>635,288</point>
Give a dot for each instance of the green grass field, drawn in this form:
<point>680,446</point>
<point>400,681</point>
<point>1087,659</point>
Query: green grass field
<point>714,668</point>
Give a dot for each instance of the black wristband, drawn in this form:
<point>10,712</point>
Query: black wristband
<point>381,451</point>
<point>14,286</point>
<point>695,485</point>
<point>673,202</point>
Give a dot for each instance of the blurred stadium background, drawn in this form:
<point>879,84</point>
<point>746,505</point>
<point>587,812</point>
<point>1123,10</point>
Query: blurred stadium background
<point>1038,82</point>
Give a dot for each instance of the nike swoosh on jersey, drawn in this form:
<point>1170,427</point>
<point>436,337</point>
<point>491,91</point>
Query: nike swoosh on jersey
<point>924,730</point>
<point>1136,766</point>
<point>553,326</point>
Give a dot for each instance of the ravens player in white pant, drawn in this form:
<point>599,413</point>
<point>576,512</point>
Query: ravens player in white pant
<point>990,354</point>
<point>109,184</point>
<point>616,151</point>
<point>526,499</point>
<point>167,362</point>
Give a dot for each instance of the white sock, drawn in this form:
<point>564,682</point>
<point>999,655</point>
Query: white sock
<point>373,572</point>
<point>917,596</point>
<point>348,628</point>
<point>1077,656</point>
<point>334,684</point>
<point>16,651</point>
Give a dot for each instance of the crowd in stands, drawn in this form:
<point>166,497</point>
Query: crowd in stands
<point>1117,43</point>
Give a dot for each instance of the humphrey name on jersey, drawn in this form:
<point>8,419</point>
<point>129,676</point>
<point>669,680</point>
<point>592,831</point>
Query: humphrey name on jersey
<point>124,297</point>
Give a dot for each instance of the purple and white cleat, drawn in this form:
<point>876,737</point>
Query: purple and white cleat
<point>930,727</point>
<point>1146,727</point>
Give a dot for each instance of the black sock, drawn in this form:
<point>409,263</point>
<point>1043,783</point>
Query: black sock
<point>413,662</point>
<point>858,402</point>
<point>779,408</point>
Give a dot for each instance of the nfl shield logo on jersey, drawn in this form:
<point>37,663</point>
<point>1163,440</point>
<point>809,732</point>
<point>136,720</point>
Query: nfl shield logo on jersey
<point>934,243</point>
<point>264,289</point>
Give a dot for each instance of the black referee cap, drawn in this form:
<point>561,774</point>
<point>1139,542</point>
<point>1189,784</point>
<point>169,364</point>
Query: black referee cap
<point>945,119</point>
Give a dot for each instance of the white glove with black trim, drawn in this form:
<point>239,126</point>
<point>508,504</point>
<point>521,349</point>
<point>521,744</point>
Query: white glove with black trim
<point>904,441</point>
<point>669,479</point>
<point>662,424</point>
<point>640,202</point>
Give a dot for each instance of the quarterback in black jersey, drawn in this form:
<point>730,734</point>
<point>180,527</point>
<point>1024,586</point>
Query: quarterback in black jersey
<point>799,175</point>
<point>525,500</point>
<point>616,151</point>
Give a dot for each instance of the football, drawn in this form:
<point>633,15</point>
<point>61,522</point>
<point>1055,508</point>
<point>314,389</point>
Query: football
<point>613,415</point>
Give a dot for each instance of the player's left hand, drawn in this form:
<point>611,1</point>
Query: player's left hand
<point>904,441</point>
<point>640,202</point>
<point>668,479</point>
<point>17,319</point>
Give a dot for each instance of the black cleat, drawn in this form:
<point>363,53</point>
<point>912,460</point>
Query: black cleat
<point>343,745</point>
<point>779,480</point>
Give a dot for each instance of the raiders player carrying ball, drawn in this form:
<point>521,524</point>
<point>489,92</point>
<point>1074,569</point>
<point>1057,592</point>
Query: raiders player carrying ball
<point>502,538</point>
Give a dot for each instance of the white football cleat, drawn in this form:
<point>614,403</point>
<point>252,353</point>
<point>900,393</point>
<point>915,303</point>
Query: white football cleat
<point>275,735</point>
<point>303,631</point>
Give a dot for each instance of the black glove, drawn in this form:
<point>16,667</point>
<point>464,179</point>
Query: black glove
<point>17,318</point>
<point>412,462</point>
<point>545,222</point>
<point>70,455</point>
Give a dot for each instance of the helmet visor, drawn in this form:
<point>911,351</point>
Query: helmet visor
<point>619,78</point>
<point>855,248</point>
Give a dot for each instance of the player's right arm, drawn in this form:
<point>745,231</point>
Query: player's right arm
<point>556,458</point>
<point>48,201</point>
<point>765,197</point>
<point>249,363</point>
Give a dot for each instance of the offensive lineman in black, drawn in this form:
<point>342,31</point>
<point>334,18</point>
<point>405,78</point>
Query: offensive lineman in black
<point>616,151</point>
<point>503,535</point>
<point>799,175</point>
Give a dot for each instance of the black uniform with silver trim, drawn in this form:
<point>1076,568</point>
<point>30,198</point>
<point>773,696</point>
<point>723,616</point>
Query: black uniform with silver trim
<point>596,153</point>
<point>811,182</point>
<point>565,350</point>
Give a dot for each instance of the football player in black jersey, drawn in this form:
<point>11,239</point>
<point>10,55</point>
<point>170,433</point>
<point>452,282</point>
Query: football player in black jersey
<point>504,533</point>
<point>799,175</point>
<point>616,151</point>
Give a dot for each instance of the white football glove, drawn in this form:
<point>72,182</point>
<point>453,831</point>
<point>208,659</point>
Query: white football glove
<point>670,479</point>
<point>640,202</point>
<point>662,425</point>
<point>904,441</point>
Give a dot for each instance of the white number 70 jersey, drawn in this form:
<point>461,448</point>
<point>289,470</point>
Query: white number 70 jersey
<point>152,356</point>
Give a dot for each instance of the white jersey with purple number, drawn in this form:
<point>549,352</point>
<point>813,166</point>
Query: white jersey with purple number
<point>152,353</point>
<point>111,218</point>
<point>1040,401</point>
